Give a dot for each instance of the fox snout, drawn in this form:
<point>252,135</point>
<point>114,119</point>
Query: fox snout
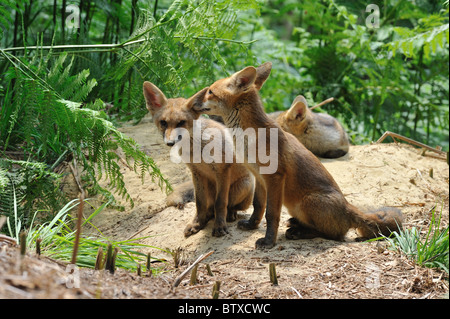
<point>203,101</point>
<point>171,137</point>
<point>207,107</point>
<point>172,142</point>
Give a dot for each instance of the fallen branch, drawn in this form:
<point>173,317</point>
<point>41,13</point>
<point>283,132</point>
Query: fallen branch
<point>331,99</point>
<point>410,141</point>
<point>89,48</point>
<point>7,239</point>
<point>184,273</point>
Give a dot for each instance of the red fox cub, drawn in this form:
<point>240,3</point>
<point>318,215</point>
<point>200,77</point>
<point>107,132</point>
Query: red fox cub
<point>320,133</point>
<point>184,193</point>
<point>221,189</point>
<point>301,183</point>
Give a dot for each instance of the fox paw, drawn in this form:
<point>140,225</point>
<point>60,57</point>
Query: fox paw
<point>294,233</point>
<point>293,222</point>
<point>220,231</point>
<point>231,216</point>
<point>246,225</point>
<point>264,243</point>
<point>192,229</point>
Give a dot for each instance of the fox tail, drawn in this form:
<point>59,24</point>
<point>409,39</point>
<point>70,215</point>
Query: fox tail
<point>382,221</point>
<point>181,195</point>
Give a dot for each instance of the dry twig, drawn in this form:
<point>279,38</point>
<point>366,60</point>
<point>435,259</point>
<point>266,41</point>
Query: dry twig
<point>410,141</point>
<point>184,273</point>
<point>331,99</point>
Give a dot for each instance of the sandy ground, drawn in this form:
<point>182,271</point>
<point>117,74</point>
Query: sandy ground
<point>370,176</point>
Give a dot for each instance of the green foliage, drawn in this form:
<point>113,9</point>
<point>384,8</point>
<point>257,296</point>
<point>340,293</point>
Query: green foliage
<point>391,78</point>
<point>6,6</point>
<point>431,250</point>
<point>28,186</point>
<point>49,128</point>
<point>180,52</point>
<point>57,240</point>
<point>430,35</point>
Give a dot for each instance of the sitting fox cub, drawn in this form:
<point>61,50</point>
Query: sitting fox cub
<point>320,133</point>
<point>184,193</point>
<point>221,189</point>
<point>301,183</point>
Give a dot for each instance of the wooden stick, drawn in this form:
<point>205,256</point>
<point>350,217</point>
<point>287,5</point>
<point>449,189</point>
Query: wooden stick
<point>23,242</point>
<point>38,246</point>
<point>99,259</point>
<point>199,259</point>
<point>75,176</point>
<point>149,264</point>
<point>109,259</point>
<point>331,99</point>
<point>139,270</point>
<point>408,140</point>
<point>8,239</point>
<point>193,281</point>
<point>216,290</point>
<point>208,269</point>
<point>273,274</point>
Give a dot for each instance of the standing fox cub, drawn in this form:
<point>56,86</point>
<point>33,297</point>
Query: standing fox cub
<point>301,183</point>
<point>221,189</point>
<point>320,133</point>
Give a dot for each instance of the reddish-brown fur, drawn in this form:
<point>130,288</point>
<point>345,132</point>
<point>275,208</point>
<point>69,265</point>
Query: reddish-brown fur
<point>320,133</point>
<point>301,183</point>
<point>221,189</point>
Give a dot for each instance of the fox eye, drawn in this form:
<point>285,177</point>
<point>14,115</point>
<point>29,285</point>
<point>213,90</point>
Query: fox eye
<point>163,123</point>
<point>181,123</point>
<point>210,92</point>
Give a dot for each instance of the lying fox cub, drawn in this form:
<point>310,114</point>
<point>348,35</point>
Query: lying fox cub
<point>221,189</point>
<point>320,133</point>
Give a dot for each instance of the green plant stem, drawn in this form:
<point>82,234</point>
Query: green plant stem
<point>91,48</point>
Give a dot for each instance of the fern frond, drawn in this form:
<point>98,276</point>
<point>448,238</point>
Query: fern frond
<point>176,49</point>
<point>52,124</point>
<point>3,179</point>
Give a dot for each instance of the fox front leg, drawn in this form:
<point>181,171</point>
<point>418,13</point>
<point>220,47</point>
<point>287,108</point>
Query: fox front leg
<point>259,206</point>
<point>204,211</point>
<point>275,194</point>
<point>221,204</point>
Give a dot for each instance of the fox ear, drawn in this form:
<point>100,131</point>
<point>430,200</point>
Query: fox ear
<point>298,109</point>
<point>262,73</point>
<point>196,101</point>
<point>243,80</point>
<point>154,98</point>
